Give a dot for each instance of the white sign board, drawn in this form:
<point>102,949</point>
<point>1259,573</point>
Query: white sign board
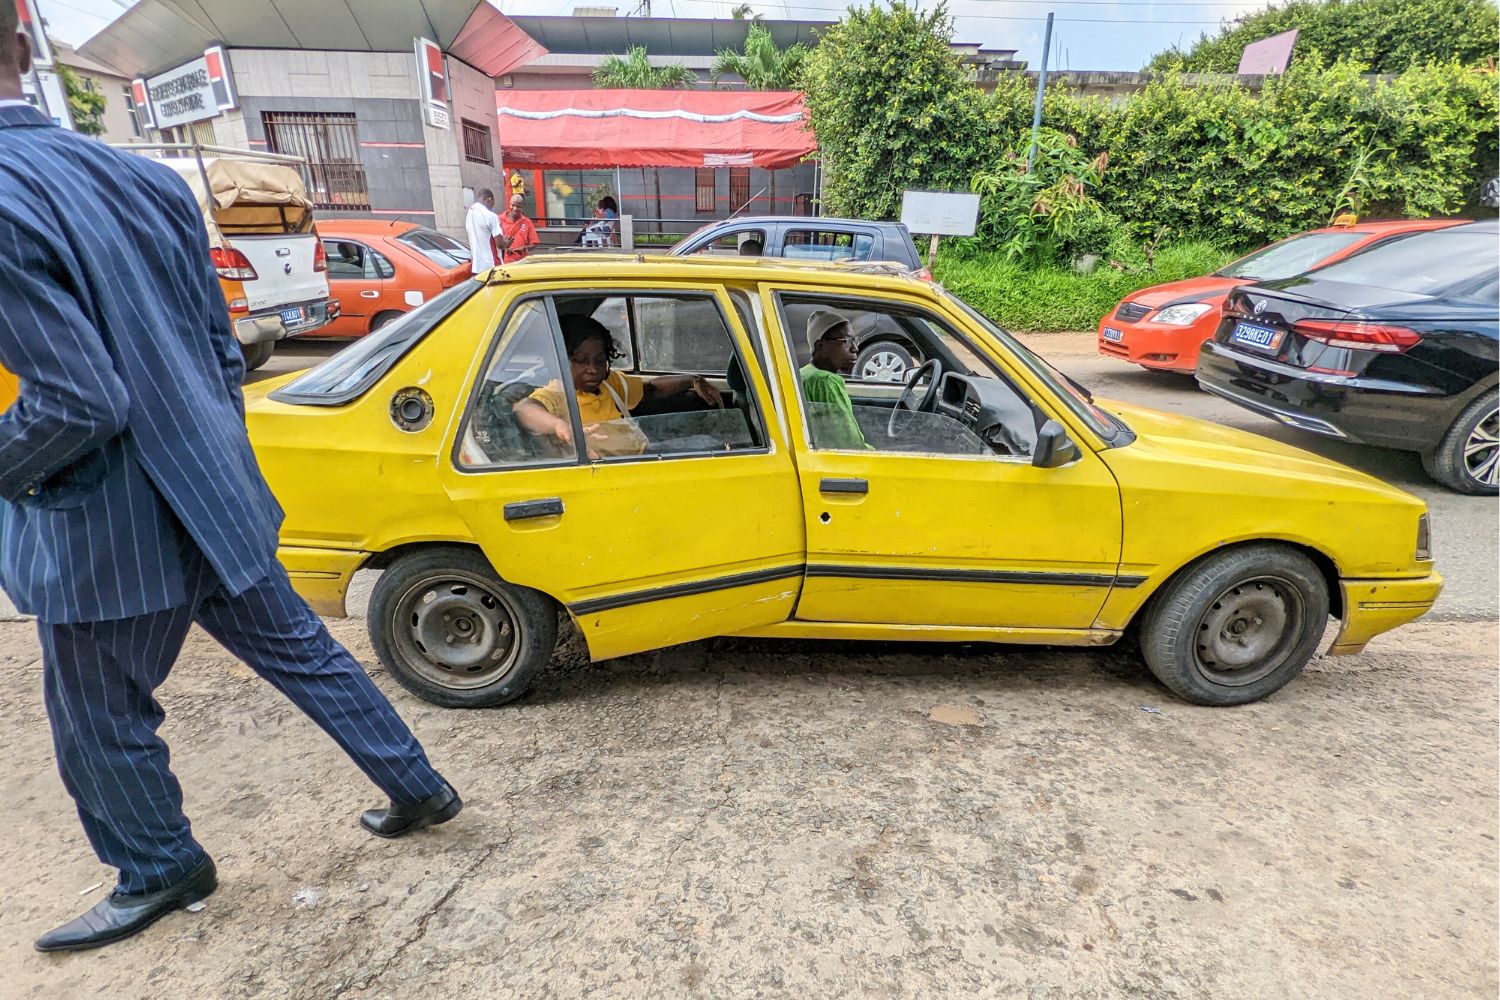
<point>182,95</point>
<point>940,213</point>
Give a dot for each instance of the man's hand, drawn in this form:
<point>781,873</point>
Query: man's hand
<point>708,392</point>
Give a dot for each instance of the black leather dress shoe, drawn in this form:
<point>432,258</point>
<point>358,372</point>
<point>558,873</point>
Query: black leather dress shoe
<point>399,820</point>
<point>118,916</point>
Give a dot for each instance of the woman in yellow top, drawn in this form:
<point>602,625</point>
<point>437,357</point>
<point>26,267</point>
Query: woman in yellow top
<point>605,397</point>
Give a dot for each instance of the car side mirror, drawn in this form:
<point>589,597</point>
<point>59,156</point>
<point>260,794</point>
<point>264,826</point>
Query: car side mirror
<point>1053,447</point>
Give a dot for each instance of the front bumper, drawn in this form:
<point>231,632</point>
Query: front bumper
<point>260,327</point>
<point>1375,606</point>
<point>1156,345</point>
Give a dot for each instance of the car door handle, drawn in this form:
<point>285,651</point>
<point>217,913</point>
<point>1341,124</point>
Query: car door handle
<point>859,486</point>
<point>369,295</point>
<point>526,509</point>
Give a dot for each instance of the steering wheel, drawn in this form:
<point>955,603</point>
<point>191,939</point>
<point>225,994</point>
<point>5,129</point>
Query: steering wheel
<point>932,371</point>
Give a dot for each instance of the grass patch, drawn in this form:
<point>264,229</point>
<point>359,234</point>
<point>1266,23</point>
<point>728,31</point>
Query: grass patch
<point>1054,298</point>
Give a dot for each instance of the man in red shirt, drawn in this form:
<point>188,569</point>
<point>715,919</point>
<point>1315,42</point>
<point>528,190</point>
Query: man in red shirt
<point>520,235</point>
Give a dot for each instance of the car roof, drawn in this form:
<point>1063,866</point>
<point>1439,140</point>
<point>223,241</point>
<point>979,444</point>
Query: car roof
<point>365,227</point>
<point>1391,226</point>
<point>806,220</point>
<point>601,268</point>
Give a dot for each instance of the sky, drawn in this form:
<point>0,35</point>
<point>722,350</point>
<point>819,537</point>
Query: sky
<point>1086,35</point>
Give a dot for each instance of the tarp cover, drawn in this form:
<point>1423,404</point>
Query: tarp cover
<point>248,197</point>
<point>653,128</point>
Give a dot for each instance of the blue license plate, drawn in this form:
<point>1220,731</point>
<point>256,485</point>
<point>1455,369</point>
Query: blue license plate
<point>1112,335</point>
<point>1262,338</point>
<point>291,317</point>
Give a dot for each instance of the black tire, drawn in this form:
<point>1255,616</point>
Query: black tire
<point>886,361</point>
<point>1206,634</point>
<point>1468,459</point>
<point>381,319</point>
<point>256,355</point>
<point>454,634</point>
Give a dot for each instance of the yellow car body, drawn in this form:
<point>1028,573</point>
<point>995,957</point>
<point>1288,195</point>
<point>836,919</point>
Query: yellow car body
<point>646,554</point>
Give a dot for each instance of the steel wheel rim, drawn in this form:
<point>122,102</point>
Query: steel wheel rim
<point>1482,450</point>
<point>884,366</point>
<point>457,631</point>
<point>1249,630</point>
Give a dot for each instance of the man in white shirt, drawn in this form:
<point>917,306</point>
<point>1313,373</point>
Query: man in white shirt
<point>483,226</point>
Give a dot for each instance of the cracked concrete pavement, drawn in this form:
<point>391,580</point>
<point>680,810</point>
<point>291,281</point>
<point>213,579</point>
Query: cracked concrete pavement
<point>758,819</point>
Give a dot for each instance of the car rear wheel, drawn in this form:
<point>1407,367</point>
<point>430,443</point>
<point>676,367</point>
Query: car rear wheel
<point>1237,625</point>
<point>256,355</point>
<point>381,319</point>
<point>884,361</point>
<point>1468,459</point>
<point>454,634</point>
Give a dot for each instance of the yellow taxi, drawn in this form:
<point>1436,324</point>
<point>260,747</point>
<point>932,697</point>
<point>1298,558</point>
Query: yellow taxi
<point>667,449</point>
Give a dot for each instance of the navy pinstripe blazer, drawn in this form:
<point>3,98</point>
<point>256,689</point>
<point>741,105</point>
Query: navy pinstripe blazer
<point>130,412</point>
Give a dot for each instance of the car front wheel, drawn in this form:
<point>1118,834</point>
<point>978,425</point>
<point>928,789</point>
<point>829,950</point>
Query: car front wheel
<point>1468,459</point>
<point>454,634</point>
<point>1236,625</point>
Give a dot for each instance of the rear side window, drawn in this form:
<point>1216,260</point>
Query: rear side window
<point>442,250</point>
<point>1423,264</point>
<point>350,372</point>
<point>812,244</point>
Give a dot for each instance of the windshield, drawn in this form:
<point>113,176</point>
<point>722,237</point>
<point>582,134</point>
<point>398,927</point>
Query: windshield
<point>1424,264</point>
<point>442,250</point>
<point>1291,256</point>
<point>1078,399</point>
<point>357,367</point>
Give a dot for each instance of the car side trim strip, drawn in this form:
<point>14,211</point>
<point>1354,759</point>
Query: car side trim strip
<point>974,575</point>
<point>688,589</point>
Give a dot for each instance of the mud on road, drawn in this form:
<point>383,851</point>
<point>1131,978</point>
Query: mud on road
<point>755,819</point>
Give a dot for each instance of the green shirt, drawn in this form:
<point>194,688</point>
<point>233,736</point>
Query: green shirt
<point>830,411</point>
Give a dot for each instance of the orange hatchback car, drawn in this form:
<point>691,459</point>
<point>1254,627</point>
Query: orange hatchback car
<point>1163,326</point>
<point>379,270</point>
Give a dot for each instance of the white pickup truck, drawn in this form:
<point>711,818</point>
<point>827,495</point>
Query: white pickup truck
<point>272,266</point>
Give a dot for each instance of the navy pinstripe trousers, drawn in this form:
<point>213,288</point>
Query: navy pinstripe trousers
<point>100,684</point>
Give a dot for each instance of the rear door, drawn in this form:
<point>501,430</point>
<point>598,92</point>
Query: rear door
<point>699,535</point>
<point>363,280</point>
<point>828,243</point>
<point>284,270</point>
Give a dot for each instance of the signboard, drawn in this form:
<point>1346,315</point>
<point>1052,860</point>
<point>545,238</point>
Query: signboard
<point>940,213</point>
<point>1269,55</point>
<point>432,79</point>
<point>192,92</point>
<point>31,27</point>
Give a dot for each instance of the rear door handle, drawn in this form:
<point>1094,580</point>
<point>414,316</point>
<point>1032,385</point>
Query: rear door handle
<point>369,295</point>
<point>526,509</point>
<point>859,486</point>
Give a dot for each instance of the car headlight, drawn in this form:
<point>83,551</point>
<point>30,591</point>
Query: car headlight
<point>1424,539</point>
<point>1181,315</point>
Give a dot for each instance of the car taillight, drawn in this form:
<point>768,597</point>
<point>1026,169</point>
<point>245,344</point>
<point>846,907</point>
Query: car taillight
<point>232,264</point>
<point>320,257</point>
<point>239,305</point>
<point>924,274</point>
<point>1358,335</point>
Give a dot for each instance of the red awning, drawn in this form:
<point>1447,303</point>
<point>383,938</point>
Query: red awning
<point>653,128</point>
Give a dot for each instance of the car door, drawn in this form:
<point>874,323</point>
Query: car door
<point>700,536</point>
<point>938,526</point>
<point>828,243</point>
<point>360,279</point>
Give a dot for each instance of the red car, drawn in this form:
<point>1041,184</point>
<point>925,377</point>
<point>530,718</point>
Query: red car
<point>1163,326</point>
<point>379,270</point>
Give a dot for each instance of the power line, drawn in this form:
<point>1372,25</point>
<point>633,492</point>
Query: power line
<point>1016,17</point>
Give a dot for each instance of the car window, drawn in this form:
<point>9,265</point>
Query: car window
<point>813,244</point>
<point>1424,263</point>
<point>1291,256</point>
<point>346,259</point>
<point>969,408</point>
<point>357,367</point>
<point>734,243</point>
<point>377,266</point>
<point>529,408</point>
<point>441,249</point>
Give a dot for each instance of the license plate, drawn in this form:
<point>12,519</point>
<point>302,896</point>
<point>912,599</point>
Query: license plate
<point>1112,335</point>
<point>291,316</point>
<point>1262,338</point>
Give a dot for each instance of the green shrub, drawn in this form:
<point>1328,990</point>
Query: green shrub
<point>1052,298</point>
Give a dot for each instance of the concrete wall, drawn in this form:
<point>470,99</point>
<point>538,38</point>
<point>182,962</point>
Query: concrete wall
<point>474,99</point>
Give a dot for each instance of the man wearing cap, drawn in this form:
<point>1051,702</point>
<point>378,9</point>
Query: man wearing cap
<point>518,232</point>
<point>829,408</point>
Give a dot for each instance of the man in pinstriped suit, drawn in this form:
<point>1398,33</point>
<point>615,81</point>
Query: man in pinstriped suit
<point>131,507</point>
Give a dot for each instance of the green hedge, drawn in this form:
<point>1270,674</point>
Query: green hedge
<point>1054,298</point>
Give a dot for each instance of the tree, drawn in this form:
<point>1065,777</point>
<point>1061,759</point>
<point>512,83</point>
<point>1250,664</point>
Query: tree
<point>745,12</point>
<point>635,72</point>
<point>1380,36</point>
<point>762,65</point>
<point>85,103</point>
<point>893,109</point>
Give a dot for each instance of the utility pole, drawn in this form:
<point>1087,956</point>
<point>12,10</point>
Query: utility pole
<point>1041,85</point>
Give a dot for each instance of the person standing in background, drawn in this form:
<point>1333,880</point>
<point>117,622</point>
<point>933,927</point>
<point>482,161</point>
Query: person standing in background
<point>518,234</point>
<point>483,228</point>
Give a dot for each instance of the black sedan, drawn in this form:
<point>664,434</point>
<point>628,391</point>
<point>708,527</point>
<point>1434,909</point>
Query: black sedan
<point>1395,346</point>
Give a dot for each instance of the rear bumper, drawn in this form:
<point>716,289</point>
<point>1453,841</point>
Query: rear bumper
<point>1363,410</point>
<point>1156,345</point>
<point>257,328</point>
<point>321,576</point>
<point>1375,606</point>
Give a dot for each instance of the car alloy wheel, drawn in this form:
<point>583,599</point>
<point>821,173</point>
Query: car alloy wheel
<point>883,361</point>
<point>456,631</point>
<point>1248,630</point>
<point>1482,451</point>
